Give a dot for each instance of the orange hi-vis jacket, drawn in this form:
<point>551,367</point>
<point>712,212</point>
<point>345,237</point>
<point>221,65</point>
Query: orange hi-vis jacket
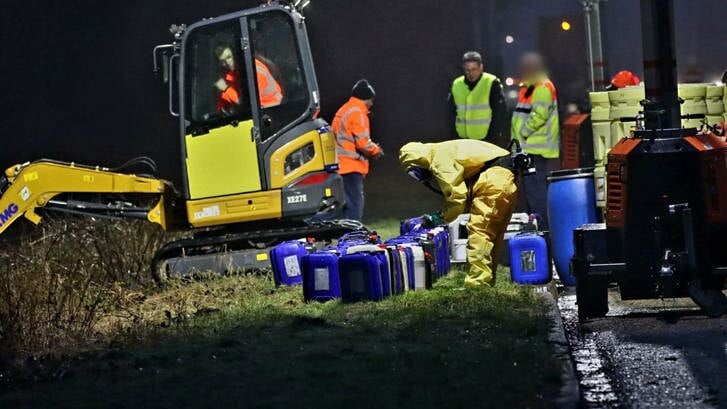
<point>230,96</point>
<point>353,138</point>
<point>270,92</point>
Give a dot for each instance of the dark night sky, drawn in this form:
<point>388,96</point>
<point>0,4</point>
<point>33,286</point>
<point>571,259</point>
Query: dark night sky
<point>77,83</point>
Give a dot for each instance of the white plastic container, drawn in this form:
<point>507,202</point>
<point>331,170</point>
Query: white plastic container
<point>715,100</point>
<point>695,103</point>
<point>458,239</point>
<point>600,106</point>
<point>626,102</point>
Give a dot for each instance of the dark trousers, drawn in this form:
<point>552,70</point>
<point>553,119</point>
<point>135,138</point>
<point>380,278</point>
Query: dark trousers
<point>534,190</point>
<point>353,186</point>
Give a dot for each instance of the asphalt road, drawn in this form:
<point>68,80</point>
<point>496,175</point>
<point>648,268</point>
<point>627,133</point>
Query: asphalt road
<point>656,354</point>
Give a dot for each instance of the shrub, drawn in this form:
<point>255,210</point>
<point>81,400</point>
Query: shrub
<point>59,283</point>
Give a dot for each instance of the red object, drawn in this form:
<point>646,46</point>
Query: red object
<point>713,155</point>
<point>314,179</point>
<point>230,96</point>
<point>577,142</point>
<point>625,79</point>
<point>617,177</point>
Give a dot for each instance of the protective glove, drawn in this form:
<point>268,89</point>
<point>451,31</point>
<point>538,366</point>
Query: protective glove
<point>432,220</point>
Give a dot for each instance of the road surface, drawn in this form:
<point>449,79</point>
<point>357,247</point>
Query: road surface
<point>656,354</point>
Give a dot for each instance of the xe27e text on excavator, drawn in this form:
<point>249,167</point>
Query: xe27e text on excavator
<point>258,165</point>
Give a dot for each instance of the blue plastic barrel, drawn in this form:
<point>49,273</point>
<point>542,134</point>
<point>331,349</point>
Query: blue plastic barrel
<point>571,203</point>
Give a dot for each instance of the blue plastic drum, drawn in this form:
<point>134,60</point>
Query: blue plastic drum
<point>571,203</point>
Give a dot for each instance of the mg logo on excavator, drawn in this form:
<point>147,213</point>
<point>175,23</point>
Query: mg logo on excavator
<point>8,213</point>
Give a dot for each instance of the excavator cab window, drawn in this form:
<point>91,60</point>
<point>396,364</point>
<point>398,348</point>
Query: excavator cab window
<point>216,90</point>
<point>282,90</point>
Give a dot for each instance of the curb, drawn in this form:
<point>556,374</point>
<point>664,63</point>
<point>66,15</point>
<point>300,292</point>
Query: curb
<point>569,396</point>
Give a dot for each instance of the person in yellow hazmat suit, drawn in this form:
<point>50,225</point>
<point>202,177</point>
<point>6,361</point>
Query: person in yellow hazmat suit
<point>474,176</point>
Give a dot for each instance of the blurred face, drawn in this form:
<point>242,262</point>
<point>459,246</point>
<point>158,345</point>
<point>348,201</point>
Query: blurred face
<point>473,71</point>
<point>369,103</point>
<point>227,60</point>
<point>531,65</point>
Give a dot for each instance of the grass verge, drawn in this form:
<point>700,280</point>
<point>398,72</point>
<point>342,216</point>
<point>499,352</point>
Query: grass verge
<point>240,342</point>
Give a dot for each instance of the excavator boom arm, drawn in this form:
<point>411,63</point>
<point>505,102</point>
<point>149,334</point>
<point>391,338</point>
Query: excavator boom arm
<point>35,185</point>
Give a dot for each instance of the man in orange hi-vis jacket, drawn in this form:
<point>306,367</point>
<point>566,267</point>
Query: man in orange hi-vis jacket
<point>269,90</point>
<point>354,146</point>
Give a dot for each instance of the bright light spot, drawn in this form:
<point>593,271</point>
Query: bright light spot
<point>565,25</point>
<point>509,81</point>
<point>512,94</point>
<point>509,39</point>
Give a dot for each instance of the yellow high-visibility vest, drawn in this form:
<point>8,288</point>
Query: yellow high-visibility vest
<point>474,113</point>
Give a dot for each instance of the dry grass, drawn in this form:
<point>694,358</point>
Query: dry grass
<point>57,286</point>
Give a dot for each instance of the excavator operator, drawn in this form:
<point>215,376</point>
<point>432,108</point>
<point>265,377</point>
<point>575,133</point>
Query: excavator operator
<point>270,91</point>
<point>477,176</point>
<point>229,84</point>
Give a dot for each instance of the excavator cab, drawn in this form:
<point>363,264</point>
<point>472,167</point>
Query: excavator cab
<point>259,166</point>
<point>244,88</point>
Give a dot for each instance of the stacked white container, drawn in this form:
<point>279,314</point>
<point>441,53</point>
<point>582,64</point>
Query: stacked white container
<point>715,104</point>
<point>625,107</point>
<point>695,103</point>
<point>601,122</point>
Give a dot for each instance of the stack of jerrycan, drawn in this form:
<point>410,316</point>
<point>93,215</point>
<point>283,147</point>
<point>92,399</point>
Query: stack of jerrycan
<point>321,270</point>
<point>435,242</point>
<point>694,107</point>
<point>715,104</point>
<point>601,122</point>
<point>625,108</point>
<point>362,268</point>
<point>413,263</point>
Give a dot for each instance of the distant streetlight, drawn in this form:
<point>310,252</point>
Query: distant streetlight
<point>565,25</point>
<point>509,39</point>
<point>509,81</point>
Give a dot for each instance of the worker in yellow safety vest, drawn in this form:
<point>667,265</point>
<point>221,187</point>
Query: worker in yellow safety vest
<point>535,124</point>
<point>474,176</point>
<point>478,103</point>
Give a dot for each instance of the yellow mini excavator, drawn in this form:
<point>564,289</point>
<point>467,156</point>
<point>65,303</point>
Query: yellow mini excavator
<point>259,166</point>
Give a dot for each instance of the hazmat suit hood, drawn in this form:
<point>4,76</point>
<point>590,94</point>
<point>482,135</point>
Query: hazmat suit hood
<point>415,154</point>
